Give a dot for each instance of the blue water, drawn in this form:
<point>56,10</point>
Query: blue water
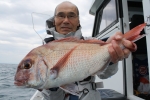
<point>8,91</point>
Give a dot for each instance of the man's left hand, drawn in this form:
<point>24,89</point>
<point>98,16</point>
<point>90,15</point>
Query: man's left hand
<point>115,50</point>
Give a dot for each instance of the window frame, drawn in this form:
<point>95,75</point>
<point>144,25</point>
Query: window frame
<point>98,19</point>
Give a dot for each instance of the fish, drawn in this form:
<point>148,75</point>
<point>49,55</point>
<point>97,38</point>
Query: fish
<point>60,63</point>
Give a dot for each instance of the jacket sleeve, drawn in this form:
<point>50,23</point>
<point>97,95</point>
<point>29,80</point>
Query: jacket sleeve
<point>109,71</point>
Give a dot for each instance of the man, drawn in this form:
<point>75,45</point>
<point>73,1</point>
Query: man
<point>66,23</point>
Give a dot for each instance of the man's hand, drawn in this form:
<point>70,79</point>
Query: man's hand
<point>115,50</point>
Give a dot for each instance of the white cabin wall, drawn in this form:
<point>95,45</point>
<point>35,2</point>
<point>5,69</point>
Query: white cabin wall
<point>146,10</point>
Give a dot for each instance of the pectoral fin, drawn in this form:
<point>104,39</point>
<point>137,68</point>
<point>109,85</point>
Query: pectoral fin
<point>60,64</point>
<point>53,74</point>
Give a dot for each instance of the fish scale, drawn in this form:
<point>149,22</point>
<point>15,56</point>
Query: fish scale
<point>83,62</point>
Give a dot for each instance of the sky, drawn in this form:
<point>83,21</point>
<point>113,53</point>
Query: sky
<point>21,20</point>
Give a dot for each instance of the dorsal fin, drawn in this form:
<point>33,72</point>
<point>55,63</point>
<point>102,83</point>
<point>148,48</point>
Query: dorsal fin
<point>94,41</point>
<point>74,39</point>
<point>68,39</point>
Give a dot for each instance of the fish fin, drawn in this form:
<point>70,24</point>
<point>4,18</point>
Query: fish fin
<point>61,63</point>
<point>68,39</point>
<point>53,74</point>
<point>75,39</point>
<point>134,33</point>
<point>94,41</point>
<point>71,88</point>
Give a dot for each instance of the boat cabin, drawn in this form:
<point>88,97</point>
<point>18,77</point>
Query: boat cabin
<point>132,79</point>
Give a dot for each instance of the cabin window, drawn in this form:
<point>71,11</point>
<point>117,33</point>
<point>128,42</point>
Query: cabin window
<point>109,15</point>
<point>106,17</point>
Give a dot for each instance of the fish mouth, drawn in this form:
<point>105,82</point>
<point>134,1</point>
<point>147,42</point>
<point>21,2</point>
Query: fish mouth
<point>18,83</point>
<point>22,84</point>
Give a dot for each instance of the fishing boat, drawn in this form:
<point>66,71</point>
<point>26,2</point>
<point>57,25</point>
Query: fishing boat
<point>132,81</point>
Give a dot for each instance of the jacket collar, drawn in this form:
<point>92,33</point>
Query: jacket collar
<point>57,35</point>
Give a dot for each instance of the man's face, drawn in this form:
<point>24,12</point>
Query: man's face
<point>66,18</point>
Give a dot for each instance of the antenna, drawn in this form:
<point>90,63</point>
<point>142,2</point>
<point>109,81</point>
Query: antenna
<point>34,26</point>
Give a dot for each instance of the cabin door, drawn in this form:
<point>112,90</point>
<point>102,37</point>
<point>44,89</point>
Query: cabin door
<point>138,86</point>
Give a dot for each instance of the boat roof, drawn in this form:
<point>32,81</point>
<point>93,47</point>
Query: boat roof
<point>96,4</point>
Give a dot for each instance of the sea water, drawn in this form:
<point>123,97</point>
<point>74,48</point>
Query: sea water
<point>8,91</point>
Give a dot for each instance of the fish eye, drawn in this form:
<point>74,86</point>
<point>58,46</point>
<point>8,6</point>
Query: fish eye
<point>27,64</point>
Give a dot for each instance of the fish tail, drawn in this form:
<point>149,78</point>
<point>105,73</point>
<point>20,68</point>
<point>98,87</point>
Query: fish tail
<point>134,34</point>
